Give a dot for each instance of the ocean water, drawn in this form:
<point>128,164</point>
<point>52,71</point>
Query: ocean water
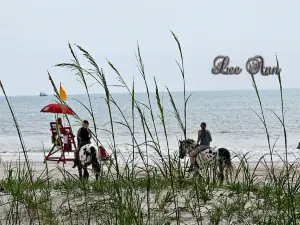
<point>229,116</point>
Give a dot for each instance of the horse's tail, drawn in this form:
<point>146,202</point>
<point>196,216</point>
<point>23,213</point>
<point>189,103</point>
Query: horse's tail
<point>95,162</point>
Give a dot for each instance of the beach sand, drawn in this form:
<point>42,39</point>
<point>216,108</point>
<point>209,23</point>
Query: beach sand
<point>60,206</point>
<point>38,166</point>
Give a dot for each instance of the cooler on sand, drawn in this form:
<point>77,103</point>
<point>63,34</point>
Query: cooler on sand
<point>103,153</point>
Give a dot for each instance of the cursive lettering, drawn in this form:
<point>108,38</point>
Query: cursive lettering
<point>253,65</point>
<point>256,64</point>
<point>220,66</point>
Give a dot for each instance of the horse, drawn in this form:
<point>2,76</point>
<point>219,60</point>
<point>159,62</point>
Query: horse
<point>88,155</point>
<point>214,156</point>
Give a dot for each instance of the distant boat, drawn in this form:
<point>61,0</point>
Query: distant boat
<point>43,94</point>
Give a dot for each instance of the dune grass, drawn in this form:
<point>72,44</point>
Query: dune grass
<point>163,193</point>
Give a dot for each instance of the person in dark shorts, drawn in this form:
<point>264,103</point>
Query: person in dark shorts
<point>204,137</point>
<point>83,138</point>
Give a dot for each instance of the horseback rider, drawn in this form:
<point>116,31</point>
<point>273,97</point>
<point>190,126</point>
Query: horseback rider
<point>83,138</point>
<point>204,137</point>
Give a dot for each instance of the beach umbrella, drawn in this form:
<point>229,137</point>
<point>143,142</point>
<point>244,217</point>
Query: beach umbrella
<point>58,108</point>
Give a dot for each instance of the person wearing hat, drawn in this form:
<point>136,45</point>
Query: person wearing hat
<point>83,138</point>
<point>204,137</point>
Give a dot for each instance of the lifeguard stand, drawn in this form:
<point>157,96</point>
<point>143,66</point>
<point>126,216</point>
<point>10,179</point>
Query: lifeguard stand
<point>58,134</point>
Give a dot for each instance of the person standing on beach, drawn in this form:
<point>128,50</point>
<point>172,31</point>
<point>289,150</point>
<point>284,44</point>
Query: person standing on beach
<point>59,126</point>
<point>204,137</point>
<point>83,138</point>
<point>59,122</point>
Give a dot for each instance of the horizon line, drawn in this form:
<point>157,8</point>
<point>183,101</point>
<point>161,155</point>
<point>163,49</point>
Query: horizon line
<point>144,92</point>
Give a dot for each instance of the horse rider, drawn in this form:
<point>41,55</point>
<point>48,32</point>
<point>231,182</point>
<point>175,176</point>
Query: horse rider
<point>204,137</point>
<point>83,138</point>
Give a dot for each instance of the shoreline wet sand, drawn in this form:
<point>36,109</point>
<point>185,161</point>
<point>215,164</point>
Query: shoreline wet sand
<point>38,167</point>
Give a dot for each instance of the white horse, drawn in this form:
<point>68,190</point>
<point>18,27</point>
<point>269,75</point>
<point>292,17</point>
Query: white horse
<point>214,156</point>
<point>88,155</point>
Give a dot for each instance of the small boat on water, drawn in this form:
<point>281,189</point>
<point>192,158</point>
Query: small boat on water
<point>43,94</point>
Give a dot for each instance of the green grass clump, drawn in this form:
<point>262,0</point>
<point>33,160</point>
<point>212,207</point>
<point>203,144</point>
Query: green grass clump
<point>160,192</point>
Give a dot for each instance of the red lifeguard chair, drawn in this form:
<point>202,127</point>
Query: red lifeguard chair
<point>62,137</point>
<point>63,142</point>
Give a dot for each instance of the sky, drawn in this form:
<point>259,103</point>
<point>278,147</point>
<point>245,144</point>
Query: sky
<point>35,36</point>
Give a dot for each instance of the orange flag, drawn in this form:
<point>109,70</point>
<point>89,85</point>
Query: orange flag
<point>62,93</point>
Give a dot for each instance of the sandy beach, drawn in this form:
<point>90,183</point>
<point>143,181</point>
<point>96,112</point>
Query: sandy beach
<point>61,205</point>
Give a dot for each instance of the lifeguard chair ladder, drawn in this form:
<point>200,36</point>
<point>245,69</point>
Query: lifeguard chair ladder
<point>59,146</point>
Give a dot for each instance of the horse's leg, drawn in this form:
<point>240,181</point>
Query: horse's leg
<point>221,169</point>
<point>85,173</point>
<point>80,171</point>
<point>96,169</point>
<point>226,174</point>
<point>214,171</point>
<point>196,162</point>
<point>95,164</point>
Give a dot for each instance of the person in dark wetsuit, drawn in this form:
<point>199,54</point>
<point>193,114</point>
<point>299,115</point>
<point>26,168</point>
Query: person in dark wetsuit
<point>83,138</point>
<point>204,137</point>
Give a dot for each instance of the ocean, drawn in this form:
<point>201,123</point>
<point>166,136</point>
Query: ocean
<point>229,116</point>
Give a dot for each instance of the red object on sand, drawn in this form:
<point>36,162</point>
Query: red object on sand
<point>103,153</point>
<point>57,108</point>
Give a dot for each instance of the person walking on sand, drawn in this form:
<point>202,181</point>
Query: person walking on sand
<point>204,137</point>
<point>83,138</point>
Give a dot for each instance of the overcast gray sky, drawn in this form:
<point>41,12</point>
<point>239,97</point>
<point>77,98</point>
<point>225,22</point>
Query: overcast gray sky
<point>35,35</point>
